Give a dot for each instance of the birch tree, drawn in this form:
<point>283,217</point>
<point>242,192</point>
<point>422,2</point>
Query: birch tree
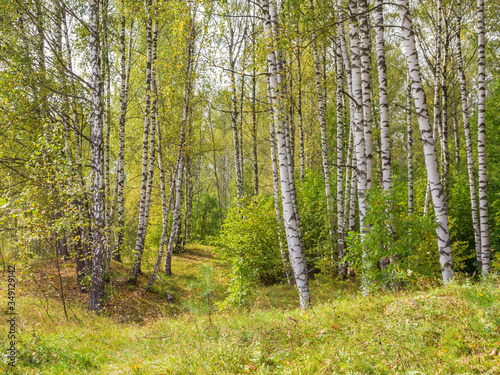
<point>445,152</point>
<point>254,113</point>
<point>434,180</point>
<point>290,219</point>
<point>165,207</point>
<point>153,114</point>
<point>299,107</point>
<point>383,101</point>
<point>409,146</point>
<point>176,217</point>
<point>96,294</point>
<point>468,139</point>
<point>358,126</point>
<point>276,189</point>
<point>481,140</point>
<point>141,227</point>
<point>233,55</point>
<point>340,162</point>
<point>364,48</point>
<point>124,86</point>
<point>322,121</point>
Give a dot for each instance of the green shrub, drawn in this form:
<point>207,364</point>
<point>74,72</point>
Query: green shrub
<point>314,221</point>
<point>249,242</point>
<point>409,242</point>
<point>461,228</point>
<point>206,223</point>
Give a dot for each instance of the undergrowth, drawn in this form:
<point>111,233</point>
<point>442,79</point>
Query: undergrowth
<point>448,330</point>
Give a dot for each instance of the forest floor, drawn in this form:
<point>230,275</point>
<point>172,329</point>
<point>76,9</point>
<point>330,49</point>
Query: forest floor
<point>428,330</point>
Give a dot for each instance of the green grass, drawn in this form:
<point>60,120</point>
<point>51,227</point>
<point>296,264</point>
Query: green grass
<point>453,330</point>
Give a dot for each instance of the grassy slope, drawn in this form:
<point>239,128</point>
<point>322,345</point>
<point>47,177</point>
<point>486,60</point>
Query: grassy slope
<point>450,331</point>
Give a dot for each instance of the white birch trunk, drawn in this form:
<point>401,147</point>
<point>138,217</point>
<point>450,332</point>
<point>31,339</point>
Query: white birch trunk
<point>152,132</point>
<point>282,84</point>
<point>445,152</point>
<point>234,121</point>
<point>284,113</point>
<point>437,99</point>
<point>176,212</point>
<point>324,146</point>
<point>120,174</point>
<point>383,101</point>
<point>347,63</point>
<point>409,146</point>
<point>176,217</point>
<point>348,180</point>
<point>366,83</point>
<point>188,199</point>
<point>351,176</point>
<point>139,243</point>
<point>254,114</point>
<point>299,109</point>
<point>437,76</point>
<point>107,112</point>
<point>276,190</point>
<point>342,270</point>
<point>359,130</point>
<point>165,207</point>
<point>436,189</point>
<point>352,193</point>
<point>468,143</point>
<point>292,226</point>
<point>481,140</point>
<point>456,137</point>
<point>124,85</point>
<point>96,294</point>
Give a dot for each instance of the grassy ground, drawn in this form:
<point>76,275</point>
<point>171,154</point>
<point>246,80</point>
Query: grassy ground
<point>452,330</point>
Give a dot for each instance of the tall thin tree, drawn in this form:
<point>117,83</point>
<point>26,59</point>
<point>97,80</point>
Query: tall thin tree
<point>468,139</point>
<point>436,188</point>
<point>481,140</point>
<point>141,227</point>
<point>124,86</point>
<point>96,294</point>
<point>383,101</point>
<point>290,218</point>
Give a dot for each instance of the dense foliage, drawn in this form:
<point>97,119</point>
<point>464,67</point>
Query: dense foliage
<point>188,103</point>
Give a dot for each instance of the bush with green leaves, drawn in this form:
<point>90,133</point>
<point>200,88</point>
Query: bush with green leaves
<point>493,158</point>
<point>405,243</point>
<point>314,220</point>
<point>312,210</point>
<point>250,244</point>
<point>460,220</point>
<point>205,224</point>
